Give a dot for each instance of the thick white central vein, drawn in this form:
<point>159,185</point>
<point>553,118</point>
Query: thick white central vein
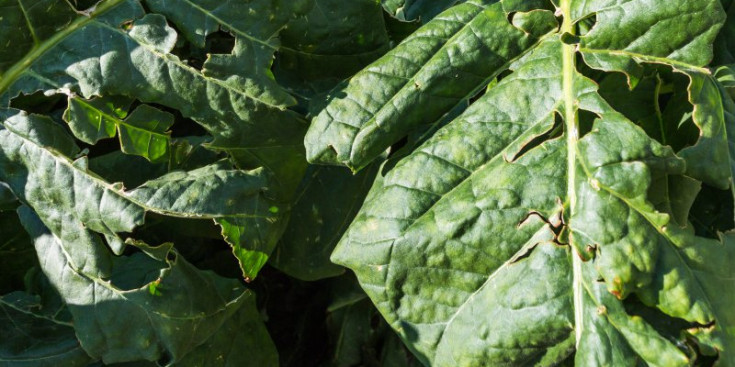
<point>572,134</point>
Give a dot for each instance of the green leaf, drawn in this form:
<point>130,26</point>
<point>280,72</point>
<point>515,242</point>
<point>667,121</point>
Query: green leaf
<point>257,22</point>
<point>350,328</point>
<point>27,23</point>
<point>35,163</point>
<point>725,43</point>
<point>515,233</point>
<point>251,221</point>
<point>144,132</point>
<point>412,9</point>
<point>330,43</point>
<point>241,341</point>
<point>33,166</point>
<point>237,101</point>
<point>316,224</point>
<point>440,66</point>
<point>170,307</point>
<point>33,338</point>
<point>17,255</point>
<point>713,114</point>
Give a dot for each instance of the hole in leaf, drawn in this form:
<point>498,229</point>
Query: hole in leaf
<point>199,241</point>
<point>587,71</point>
<point>510,16</point>
<point>135,269</point>
<point>712,212</point>
<point>103,147</point>
<point>669,327</point>
<point>171,256</point>
<point>586,120</point>
<point>397,146</point>
<point>220,42</point>
<point>165,359</point>
<point>397,29</point>
<point>658,103</point>
<point>82,5</point>
<point>586,24</point>
<point>39,103</point>
<point>701,359</point>
<point>503,74</point>
<point>182,126</point>
<point>481,93</point>
<point>554,132</point>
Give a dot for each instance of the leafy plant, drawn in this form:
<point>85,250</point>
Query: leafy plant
<point>522,230</point>
<point>533,182</point>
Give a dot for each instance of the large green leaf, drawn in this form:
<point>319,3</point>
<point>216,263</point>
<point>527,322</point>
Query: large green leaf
<point>517,233</point>
<point>16,252</point>
<point>26,24</point>
<point>36,165</point>
<point>316,224</point>
<point>438,68</point>
<point>169,306</point>
<point>35,336</point>
<point>264,134</point>
<point>331,42</point>
<point>241,341</point>
<point>116,50</point>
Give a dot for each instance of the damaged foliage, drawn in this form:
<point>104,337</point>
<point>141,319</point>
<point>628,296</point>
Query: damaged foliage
<point>522,182</point>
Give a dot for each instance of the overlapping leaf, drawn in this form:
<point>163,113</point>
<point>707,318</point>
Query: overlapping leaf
<point>407,10</point>
<point>532,217</point>
<point>37,336</point>
<point>145,132</point>
<point>116,50</point>
<point>334,40</point>
<point>436,69</point>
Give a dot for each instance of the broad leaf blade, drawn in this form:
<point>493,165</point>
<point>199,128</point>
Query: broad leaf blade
<point>144,132</point>
<point>330,43</point>
<point>154,292</point>
<point>316,224</point>
<point>441,65</point>
<point>34,339</point>
<point>237,109</point>
<point>481,211</point>
<point>27,23</point>
<point>241,341</point>
<point>251,221</point>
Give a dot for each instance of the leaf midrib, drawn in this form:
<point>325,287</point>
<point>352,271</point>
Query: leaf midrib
<point>571,128</point>
<point>41,48</point>
<point>63,160</point>
<point>19,68</point>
